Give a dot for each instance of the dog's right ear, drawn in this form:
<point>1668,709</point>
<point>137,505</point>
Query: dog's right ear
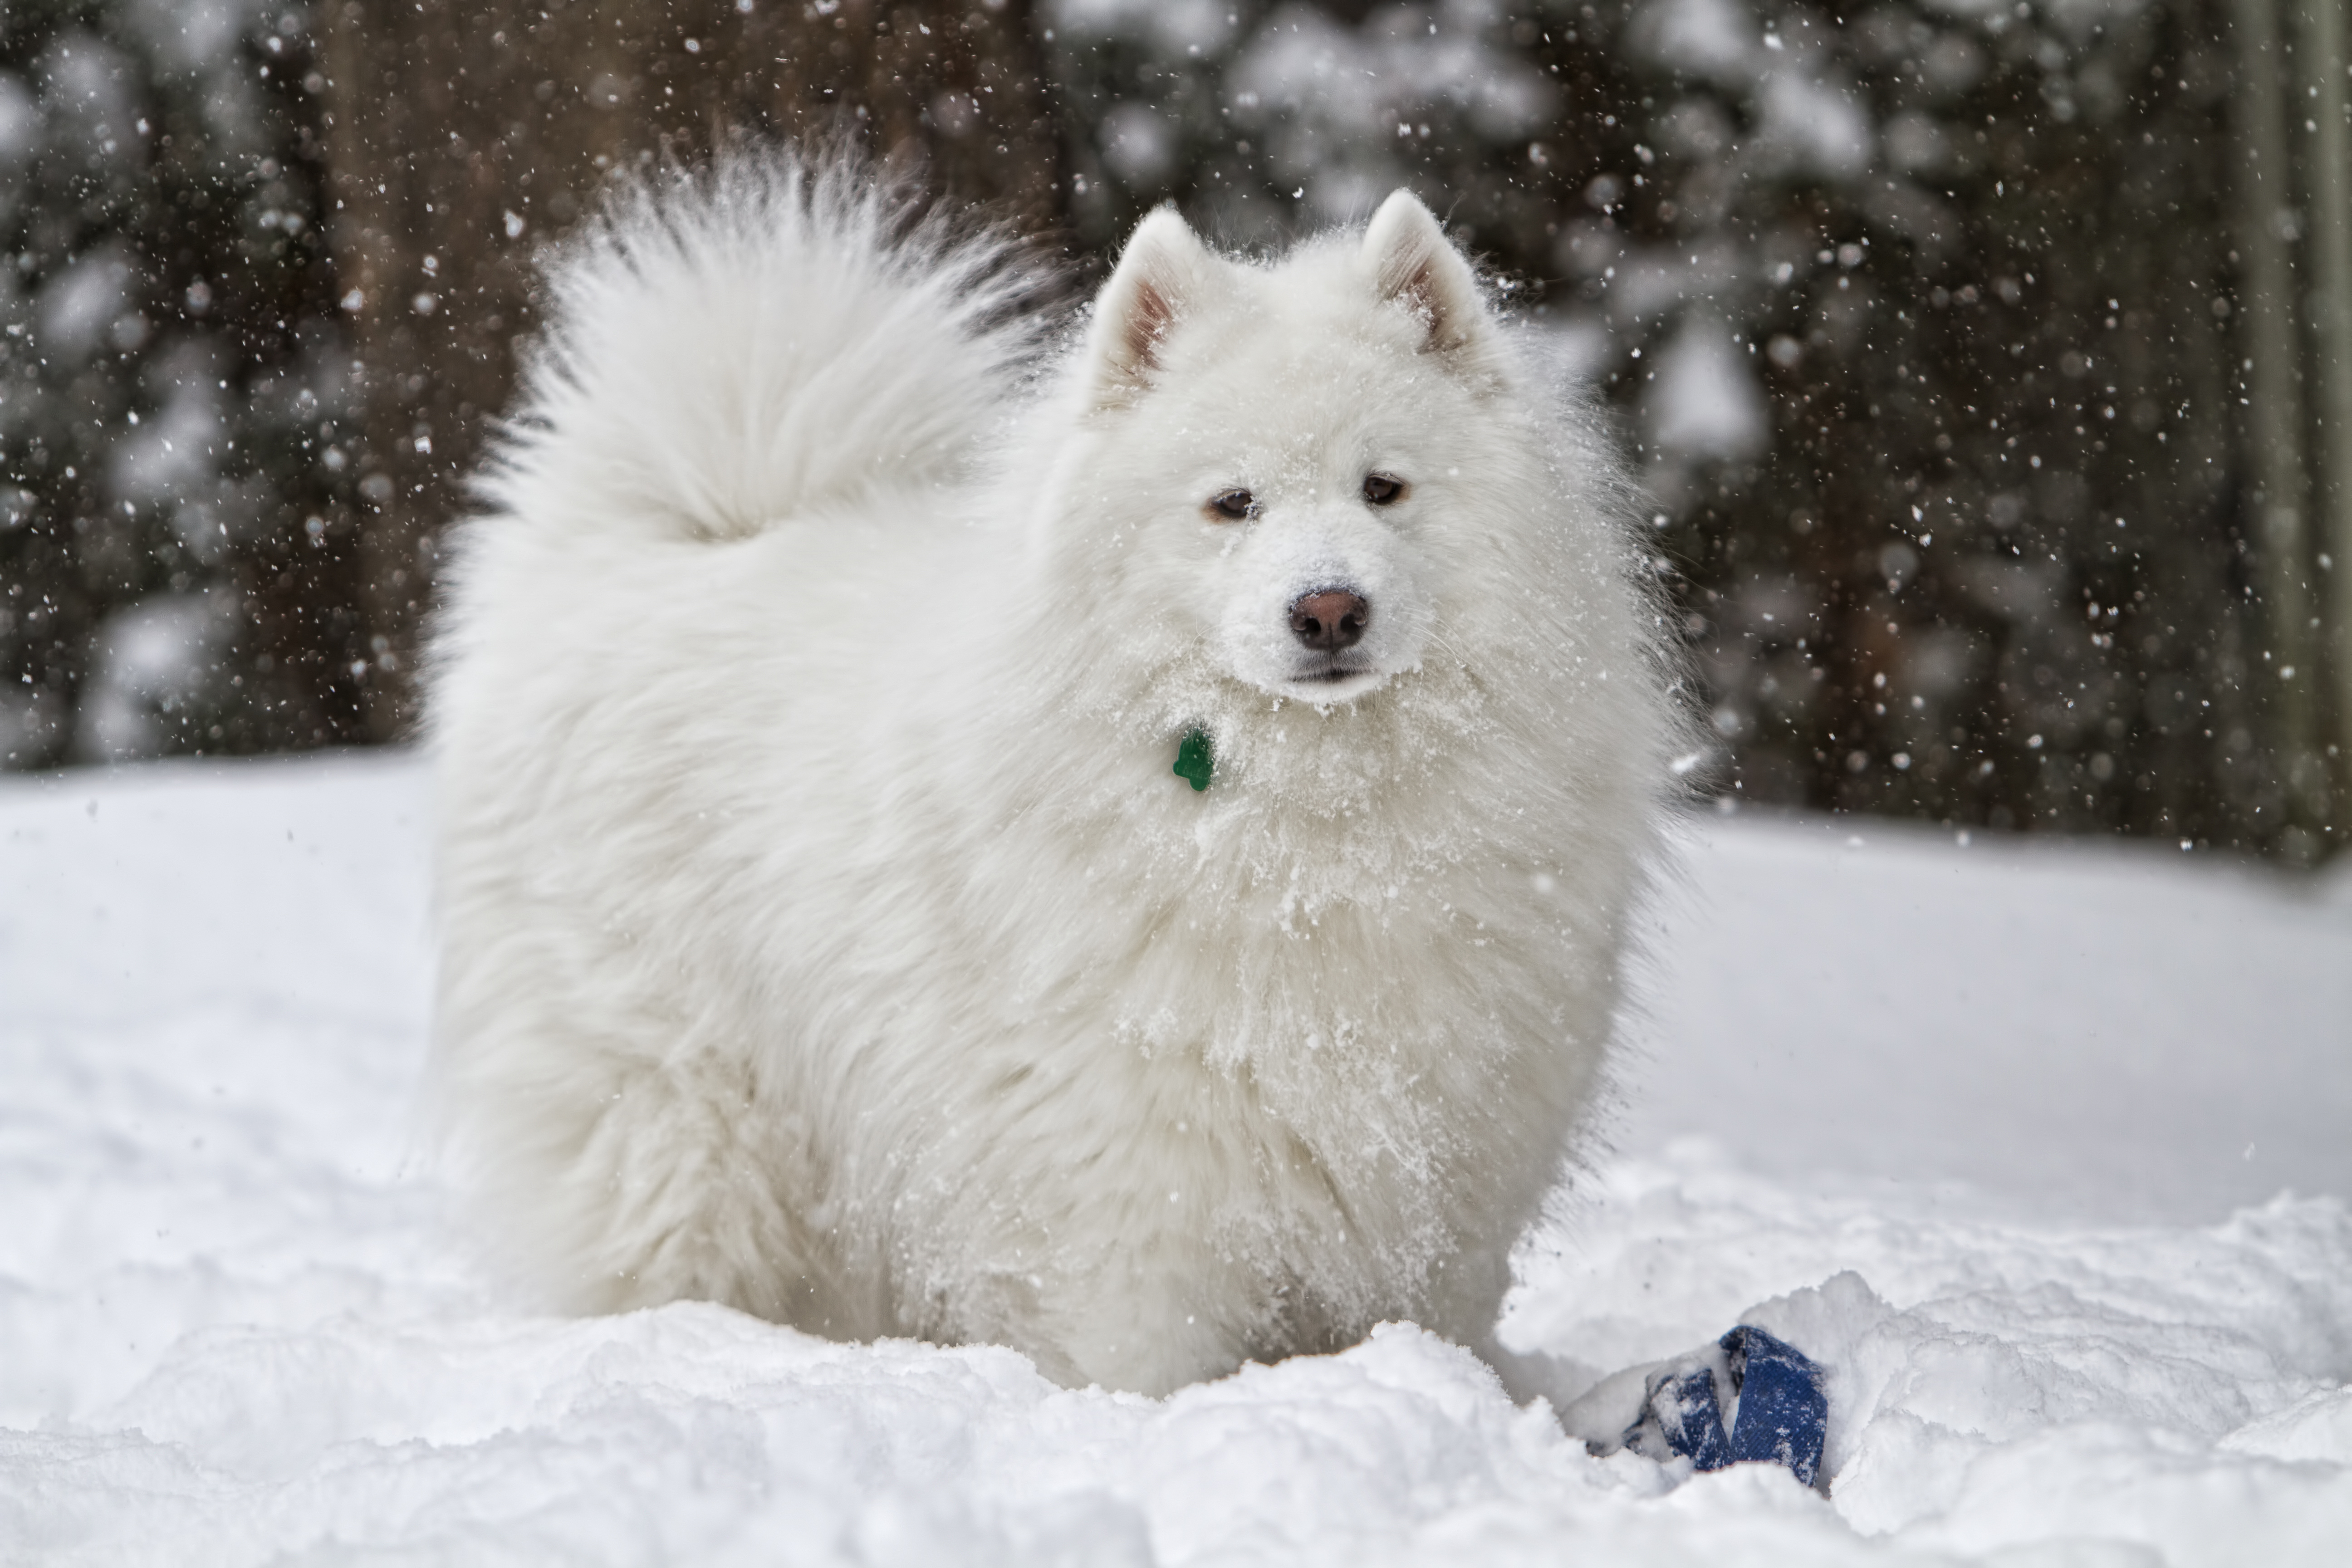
<point>1160,280</point>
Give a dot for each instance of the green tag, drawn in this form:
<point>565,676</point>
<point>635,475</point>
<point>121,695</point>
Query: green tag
<point>1195,760</point>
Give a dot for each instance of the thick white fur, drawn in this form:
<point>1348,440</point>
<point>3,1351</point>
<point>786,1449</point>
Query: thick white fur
<point>824,930</point>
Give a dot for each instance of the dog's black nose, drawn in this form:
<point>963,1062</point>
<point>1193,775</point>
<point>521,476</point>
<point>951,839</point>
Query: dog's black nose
<point>1330,620</point>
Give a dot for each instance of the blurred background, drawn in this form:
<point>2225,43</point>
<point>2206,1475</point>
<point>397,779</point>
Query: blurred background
<point>1989,361</point>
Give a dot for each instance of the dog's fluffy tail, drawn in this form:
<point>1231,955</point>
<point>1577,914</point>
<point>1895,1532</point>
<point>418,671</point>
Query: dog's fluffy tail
<point>728,350</point>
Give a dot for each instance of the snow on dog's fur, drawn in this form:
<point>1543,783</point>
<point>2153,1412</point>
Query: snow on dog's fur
<point>824,931</point>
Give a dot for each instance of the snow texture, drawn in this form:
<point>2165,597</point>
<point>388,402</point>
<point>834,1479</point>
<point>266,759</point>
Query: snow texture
<point>1961,1109</point>
<point>1333,101</point>
<point>1705,400</point>
<point>153,656</point>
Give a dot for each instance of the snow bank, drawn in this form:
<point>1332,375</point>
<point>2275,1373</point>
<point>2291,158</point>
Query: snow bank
<point>2113,1031</point>
<point>230,1331</point>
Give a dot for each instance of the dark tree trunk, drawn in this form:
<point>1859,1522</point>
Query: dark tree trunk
<point>462,136</point>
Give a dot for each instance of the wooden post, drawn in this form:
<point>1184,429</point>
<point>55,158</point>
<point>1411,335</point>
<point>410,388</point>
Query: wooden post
<point>2325,104</point>
<point>2287,680</point>
<point>462,134</point>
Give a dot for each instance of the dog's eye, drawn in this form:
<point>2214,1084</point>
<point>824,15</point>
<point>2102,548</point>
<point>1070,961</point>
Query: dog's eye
<point>1233,504</point>
<point>1381,489</point>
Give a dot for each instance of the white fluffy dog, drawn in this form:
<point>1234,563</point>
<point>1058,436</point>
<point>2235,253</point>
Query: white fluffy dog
<point>827,926</point>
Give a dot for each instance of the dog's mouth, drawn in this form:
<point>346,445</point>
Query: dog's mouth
<point>1332,673</point>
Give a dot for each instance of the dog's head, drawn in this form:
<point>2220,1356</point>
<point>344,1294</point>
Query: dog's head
<point>1284,458</point>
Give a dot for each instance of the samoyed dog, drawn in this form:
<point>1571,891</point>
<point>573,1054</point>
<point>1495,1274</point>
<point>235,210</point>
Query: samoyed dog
<point>1115,842</point>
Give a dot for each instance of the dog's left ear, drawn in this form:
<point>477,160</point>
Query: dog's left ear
<point>1415,265</point>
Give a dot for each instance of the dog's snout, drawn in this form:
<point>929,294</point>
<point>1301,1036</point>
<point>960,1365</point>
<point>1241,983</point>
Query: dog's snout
<point>1330,620</point>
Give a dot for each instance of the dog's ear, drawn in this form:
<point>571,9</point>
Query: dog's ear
<point>1415,265</point>
<point>1160,279</point>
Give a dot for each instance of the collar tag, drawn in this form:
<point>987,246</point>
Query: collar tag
<point>1195,759</point>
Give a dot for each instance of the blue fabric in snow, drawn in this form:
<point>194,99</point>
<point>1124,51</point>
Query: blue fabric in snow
<point>1782,1415</point>
<point>1690,1419</point>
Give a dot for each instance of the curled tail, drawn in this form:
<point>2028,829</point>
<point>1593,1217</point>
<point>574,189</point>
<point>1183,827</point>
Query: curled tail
<point>729,349</point>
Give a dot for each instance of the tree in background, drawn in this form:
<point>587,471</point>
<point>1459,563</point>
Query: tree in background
<point>173,389</point>
<point>267,267</point>
<point>1985,357</point>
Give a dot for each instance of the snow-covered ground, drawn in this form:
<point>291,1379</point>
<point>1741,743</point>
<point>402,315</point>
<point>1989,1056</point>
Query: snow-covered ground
<point>2043,1151</point>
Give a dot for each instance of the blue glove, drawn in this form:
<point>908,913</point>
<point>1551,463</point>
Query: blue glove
<point>1778,1411</point>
